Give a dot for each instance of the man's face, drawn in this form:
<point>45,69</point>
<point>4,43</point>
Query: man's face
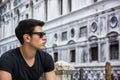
<point>38,38</point>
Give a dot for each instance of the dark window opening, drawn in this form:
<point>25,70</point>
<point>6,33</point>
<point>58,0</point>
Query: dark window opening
<point>56,56</point>
<point>70,5</point>
<point>64,36</point>
<point>114,50</point>
<point>61,6</point>
<point>72,56</point>
<point>94,53</point>
<point>83,31</point>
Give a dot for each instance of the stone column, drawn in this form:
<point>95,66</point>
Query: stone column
<point>63,70</point>
<point>89,56</point>
<point>119,46</point>
<point>99,50</point>
<point>107,50</point>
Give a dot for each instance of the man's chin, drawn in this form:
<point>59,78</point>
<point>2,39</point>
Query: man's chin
<point>42,48</point>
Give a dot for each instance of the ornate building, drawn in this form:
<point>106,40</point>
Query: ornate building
<point>85,33</point>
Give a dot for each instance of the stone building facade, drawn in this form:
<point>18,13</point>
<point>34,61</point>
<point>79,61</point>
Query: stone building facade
<point>85,33</point>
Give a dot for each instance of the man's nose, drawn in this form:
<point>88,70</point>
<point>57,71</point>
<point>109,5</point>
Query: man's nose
<point>44,37</point>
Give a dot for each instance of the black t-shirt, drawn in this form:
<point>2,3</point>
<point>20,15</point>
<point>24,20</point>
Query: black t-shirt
<point>13,62</point>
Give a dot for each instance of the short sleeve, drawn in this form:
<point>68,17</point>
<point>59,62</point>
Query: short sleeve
<point>49,63</point>
<point>5,63</point>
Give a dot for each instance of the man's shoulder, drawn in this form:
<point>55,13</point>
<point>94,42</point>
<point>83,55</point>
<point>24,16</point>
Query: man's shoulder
<point>8,60</point>
<point>47,61</point>
<point>43,53</point>
<point>9,53</point>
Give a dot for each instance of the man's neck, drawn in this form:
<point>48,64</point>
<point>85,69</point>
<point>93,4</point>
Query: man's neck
<point>27,52</point>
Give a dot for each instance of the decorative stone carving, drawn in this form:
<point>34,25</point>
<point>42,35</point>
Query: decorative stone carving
<point>55,36</point>
<point>113,21</point>
<point>62,65</point>
<point>94,26</point>
<point>63,70</point>
<point>72,32</point>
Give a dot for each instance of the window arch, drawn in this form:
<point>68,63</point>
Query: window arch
<point>93,48</point>
<point>113,46</point>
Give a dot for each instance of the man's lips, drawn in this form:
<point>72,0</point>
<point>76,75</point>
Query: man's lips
<point>44,43</point>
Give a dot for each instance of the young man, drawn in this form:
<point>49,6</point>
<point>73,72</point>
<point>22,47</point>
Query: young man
<point>28,62</point>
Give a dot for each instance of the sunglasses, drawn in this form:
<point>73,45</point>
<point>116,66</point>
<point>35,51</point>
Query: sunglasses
<point>41,34</point>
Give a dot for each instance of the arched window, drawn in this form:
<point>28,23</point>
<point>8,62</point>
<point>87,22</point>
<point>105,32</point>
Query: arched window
<point>94,52</point>
<point>93,48</point>
<point>114,50</point>
<point>114,46</point>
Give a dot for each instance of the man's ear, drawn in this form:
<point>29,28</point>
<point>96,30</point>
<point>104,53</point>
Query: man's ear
<point>26,38</point>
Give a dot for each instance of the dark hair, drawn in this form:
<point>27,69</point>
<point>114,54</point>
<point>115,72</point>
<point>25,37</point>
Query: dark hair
<point>26,27</point>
